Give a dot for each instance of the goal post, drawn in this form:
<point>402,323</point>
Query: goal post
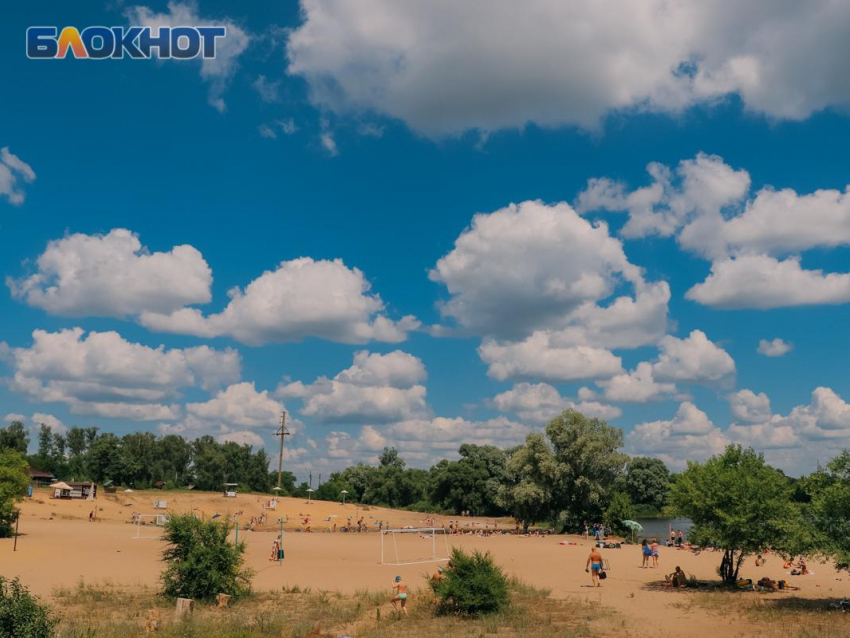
<point>150,525</point>
<point>413,546</point>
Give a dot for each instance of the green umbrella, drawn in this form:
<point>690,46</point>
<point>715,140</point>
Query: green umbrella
<point>634,526</point>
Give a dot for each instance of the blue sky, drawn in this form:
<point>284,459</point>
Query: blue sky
<point>335,155</point>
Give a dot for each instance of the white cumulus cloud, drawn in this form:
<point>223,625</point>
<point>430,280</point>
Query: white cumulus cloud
<point>689,435</point>
<point>301,298</point>
<point>446,67</point>
<point>775,347</point>
<point>103,374</point>
<point>375,389</point>
<point>113,275</point>
<point>13,171</point>
<point>538,403</point>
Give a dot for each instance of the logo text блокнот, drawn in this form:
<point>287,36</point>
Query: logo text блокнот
<point>100,43</point>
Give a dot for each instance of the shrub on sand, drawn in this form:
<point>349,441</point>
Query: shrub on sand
<point>472,585</point>
<point>21,615</point>
<point>201,560</point>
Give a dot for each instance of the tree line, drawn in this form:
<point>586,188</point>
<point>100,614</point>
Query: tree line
<point>142,459</point>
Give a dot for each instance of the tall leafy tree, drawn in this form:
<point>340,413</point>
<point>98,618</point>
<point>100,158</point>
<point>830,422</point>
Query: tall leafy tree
<point>209,464</point>
<point>648,481</point>
<point>15,437</point>
<point>528,490</point>
<point>827,531</point>
<point>588,465</point>
<point>106,459</point>
<point>390,458</point>
<point>738,504</point>
<point>472,483</point>
<point>13,485</point>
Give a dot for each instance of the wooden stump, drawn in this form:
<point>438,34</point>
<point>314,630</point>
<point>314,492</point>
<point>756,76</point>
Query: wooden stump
<point>222,600</point>
<point>184,606</point>
<point>153,622</point>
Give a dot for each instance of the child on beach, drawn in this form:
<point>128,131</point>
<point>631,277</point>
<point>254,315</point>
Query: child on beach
<point>399,594</point>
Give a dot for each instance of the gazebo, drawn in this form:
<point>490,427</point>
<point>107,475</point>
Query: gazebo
<point>61,490</point>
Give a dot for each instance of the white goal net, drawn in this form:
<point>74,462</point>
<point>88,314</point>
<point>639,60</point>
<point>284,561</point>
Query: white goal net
<point>412,546</point>
<point>150,525</point>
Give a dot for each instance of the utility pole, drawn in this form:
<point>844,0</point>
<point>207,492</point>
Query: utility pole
<point>282,432</point>
<point>320,479</point>
<point>311,478</point>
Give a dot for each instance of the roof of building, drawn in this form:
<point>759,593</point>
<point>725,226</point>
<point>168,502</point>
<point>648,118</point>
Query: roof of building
<point>34,472</point>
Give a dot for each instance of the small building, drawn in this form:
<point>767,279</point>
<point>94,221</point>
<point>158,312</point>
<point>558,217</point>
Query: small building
<point>74,489</point>
<point>40,478</point>
<point>160,485</point>
<point>230,489</point>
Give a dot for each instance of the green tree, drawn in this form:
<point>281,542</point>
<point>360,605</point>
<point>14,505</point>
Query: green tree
<point>139,451</point>
<point>201,562</point>
<point>172,460</point>
<point>106,459</point>
<point>209,464</point>
<point>738,504</point>
<point>15,437</point>
<point>648,481</point>
<point>45,444</point>
<point>76,441</point>
<point>619,509</point>
<point>331,490</point>
<point>390,458</point>
<point>13,485</point>
<point>527,492</point>
<point>472,483</point>
<point>287,482</point>
<point>827,529</point>
<point>359,477</point>
<point>589,465</point>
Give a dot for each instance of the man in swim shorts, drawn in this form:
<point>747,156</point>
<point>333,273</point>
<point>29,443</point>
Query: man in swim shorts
<point>594,566</point>
<point>400,594</point>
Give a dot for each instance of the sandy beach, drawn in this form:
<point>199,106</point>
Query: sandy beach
<point>59,547</point>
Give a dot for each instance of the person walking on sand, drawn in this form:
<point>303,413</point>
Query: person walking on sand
<point>594,566</point>
<point>275,555</point>
<point>646,552</point>
<point>654,552</point>
<point>399,594</point>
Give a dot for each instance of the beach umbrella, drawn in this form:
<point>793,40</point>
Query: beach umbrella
<point>634,526</point>
<point>310,495</point>
<point>344,492</point>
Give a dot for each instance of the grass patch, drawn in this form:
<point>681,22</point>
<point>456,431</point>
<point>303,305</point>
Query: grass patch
<point>103,610</point>
<point>782,613</point>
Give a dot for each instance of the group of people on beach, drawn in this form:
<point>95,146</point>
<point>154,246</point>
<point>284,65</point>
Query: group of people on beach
<point>598,530</point>
<point>677,539</point>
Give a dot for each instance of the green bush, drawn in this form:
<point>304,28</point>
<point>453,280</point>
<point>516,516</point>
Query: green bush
<point>21,615</point>
<point>201,561</point>
<point>472,585</point>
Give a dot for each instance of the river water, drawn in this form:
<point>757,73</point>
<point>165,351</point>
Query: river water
<point>660,527</point>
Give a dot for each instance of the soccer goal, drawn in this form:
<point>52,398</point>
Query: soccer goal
<point>150,525</point>
<point>413,546</point>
